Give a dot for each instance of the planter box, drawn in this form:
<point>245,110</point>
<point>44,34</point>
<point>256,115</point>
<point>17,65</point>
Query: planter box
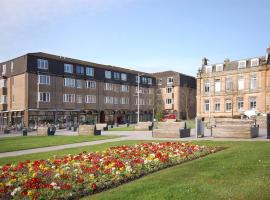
<point>170,130</point>
<point>103,127</point>
<point>86,130</point>
<point>143,126</point>
<point>42,131</point>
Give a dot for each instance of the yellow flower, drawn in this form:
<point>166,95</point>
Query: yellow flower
<point>29,193</point>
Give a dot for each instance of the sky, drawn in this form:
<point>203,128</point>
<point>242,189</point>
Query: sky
<point>146,35</point>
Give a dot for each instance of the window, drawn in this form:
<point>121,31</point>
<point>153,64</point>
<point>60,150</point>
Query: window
<point>241,83</point>
<point>89,71</point>
<point>108,74</point>
<point>217,85</point>
<point>124,77</point>
<point>141,101</point>
<point>108,100</point>
<point>254,62</point>
<point>253,82</point>
<point>217,106</point>
<point>206,106</point>
<point>208,69</point>
<point>42,64</point>
<point>2,83</point>
<point>124,100</point>
<point>3,99</point>
<point>252,103</point>
<point>169,90</point>
<point>169,80</point>
<point>137,79</point>
<point>69,98</point>
<point>115,100</point>
<point>43,80</point>
<point>12,66</point>
<point>240,104</point>
<point>150,81</point>
<point>79,98</point>
<point>80,70</point>
<point>69,82</point>
<point>242,64</point>
<point>229,84</point>
<point>4,69</point>
<point>219,67</point>
<point>144,80</point>
<point>206,86</point>
<point>44,97</point>
<point>108,86</point>
<point>90,84</point>
<point>90,99</point>
<point>141,90</point>
<point>79,83</point>
<point>169,101</point>
<point>160,81</point>
<point>228,105</point>
<point>124,88</point>
<point>68,68</point>
<point>116,76</point>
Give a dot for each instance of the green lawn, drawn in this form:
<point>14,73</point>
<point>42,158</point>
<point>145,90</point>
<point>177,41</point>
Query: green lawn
<point>130,128</point>
<point>29,142</point>
<point>239,172</point>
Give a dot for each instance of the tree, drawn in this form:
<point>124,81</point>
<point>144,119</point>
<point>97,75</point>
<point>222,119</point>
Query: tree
<point>158,105</point>
<point>188,99</point>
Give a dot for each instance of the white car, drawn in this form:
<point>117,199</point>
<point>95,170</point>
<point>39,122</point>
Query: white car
<point>253,113</point>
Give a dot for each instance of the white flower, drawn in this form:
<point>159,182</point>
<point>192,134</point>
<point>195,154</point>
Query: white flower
<point>18,189</point>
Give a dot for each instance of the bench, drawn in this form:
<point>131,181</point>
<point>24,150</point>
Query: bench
<point>143,126</point>
<point>102,126</point>
<point>235,128</point>
<point>171,130</point>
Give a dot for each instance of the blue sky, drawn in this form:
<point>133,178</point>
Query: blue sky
<point>147,35</point>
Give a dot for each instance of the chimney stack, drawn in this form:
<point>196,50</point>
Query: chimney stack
<point>204,61</point>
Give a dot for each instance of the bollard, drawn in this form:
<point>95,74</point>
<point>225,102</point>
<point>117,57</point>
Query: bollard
<point>268,126</point>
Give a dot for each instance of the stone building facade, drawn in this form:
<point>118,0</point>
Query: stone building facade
<point>39,87</point>
<point>229,88</point>
<point>177,93</point>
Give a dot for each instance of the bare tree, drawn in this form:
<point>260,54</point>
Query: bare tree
<point>188,99</point>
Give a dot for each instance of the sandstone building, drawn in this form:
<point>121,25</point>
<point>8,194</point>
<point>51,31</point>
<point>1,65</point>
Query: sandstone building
<point>229,88</point>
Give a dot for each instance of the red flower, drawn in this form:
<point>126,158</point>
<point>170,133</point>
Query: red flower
<point>94,186</point>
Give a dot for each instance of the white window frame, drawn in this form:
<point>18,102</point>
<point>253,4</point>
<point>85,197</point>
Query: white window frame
<point>4,69</point>
<point>90,99</point>
<point>3,99</point>
<point>124,100</point>
<point>206,85</point>
<point>242,64</point>
<point>70,82</point>
<point>169,90</point>
<point>150,81</point>
<point>3,83</point>
<point>206,105</point>
<point>217,102</point>
<point>108,74</point>
<point>169,101</point>
<point>240,104</point>
<point>208,69</point>
<point>241,83</point>
<point>108,100</point>
<point>254,62</point>
<point>217,85</point>
<point>43,79</point>
<point>169,80</point>
<point>90,84</point>
<point>89,71</point>
<point>79,98</point>
<point>79,83</point>
<point>124,88</point>
<point>229,84</point>
<point>115,100</point>
<point>108,86</point>
<point>253,82</point>
<point>123,77</point>
<point>46,99</point>
<point>81,71</point>
<point>219,67</point>
<point>69,98</point>
<point>228,102</point>
<point>42,63</point>
<point>252,100</point>
<point>68,68</point>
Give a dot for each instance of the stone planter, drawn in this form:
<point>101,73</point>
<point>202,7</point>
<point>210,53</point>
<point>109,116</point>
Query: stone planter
<point>86,130</point>
<point>42,131</point>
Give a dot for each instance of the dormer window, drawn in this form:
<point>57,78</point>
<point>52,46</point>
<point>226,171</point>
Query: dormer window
<point>208,68</point>
<point>242,64</point>
<point>254,62</point>
<point>219,67</point>
<point>42,64</point>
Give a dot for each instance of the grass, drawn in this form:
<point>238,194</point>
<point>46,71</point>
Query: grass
<point>239,172</point>
<point>124,128</point>
<point>30,142</point>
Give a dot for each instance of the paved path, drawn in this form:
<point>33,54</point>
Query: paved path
<point>126,135</point>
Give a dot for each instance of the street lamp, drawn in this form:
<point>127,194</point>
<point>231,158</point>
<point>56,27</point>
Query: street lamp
<point>138,101</point>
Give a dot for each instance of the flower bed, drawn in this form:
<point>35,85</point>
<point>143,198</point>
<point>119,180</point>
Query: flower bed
<point>73,176</point>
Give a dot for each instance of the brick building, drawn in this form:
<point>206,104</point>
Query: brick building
<point>177,92</point>
<point>229,88</point>
<point>40,87</point>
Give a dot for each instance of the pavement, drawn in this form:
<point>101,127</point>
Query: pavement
<point>125,136</point>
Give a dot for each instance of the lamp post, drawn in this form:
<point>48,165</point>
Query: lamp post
<point>138,100</point>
